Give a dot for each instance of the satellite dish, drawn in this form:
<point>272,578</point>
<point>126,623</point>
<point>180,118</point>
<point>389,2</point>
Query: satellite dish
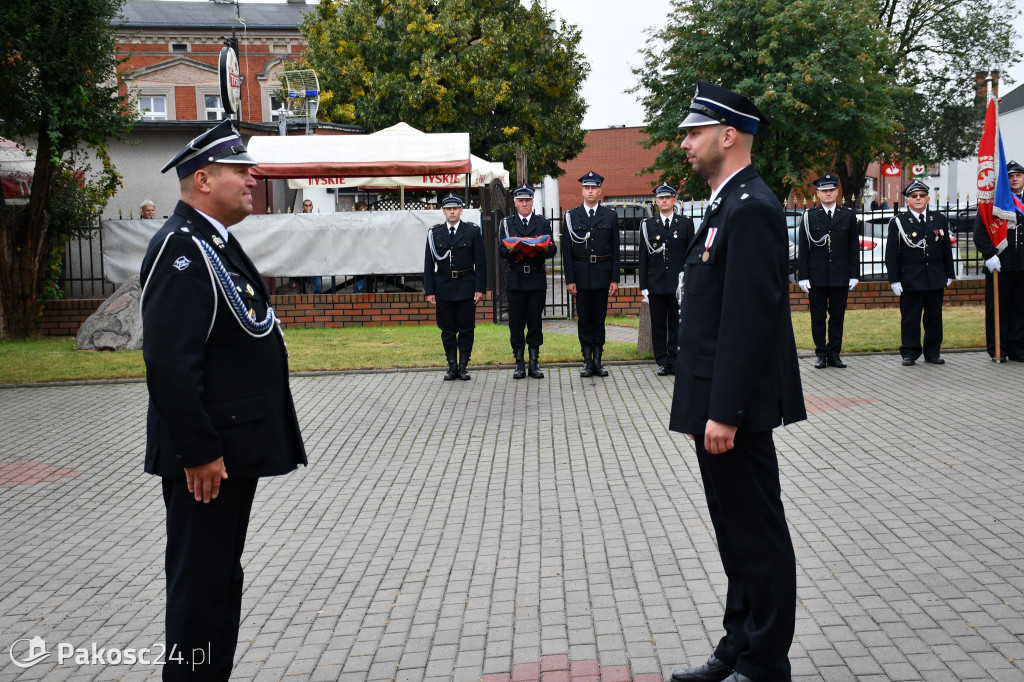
<point>303,88</point>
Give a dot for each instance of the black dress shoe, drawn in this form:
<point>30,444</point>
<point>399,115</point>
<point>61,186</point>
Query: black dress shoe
<point>663,371</point>
<point>935,361</point>
<point>834,361</point>
<point>821,362</point>
<point>712,671</point>
<point>908,361</point>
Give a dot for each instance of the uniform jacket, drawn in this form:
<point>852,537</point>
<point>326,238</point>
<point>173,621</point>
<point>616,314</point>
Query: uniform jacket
<point>515,278</point>
<point>920,269</point>
<point>603,229</point>
<point>837,261</point>
<point>737,359</point>
<point>659,272</point>
<point>1012,257</point>
<point>215,390</point>
<point>465,252</point>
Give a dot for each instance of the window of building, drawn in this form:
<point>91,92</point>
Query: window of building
<point>179,47</point>
<point>153,107</point>
<point>275,106</point>
<point>212,106</point>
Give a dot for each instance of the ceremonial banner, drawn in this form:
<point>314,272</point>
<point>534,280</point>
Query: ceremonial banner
<point>995,201</point>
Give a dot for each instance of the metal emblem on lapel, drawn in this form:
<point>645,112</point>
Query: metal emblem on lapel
<point>248,290</point>
<point>181,263</point>
<point>715,203</point>
<point>218,241</point>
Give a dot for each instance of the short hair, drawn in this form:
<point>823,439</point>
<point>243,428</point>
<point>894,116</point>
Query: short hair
<point>145,203</point>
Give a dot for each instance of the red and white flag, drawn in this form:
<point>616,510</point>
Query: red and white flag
<point>995,201</point>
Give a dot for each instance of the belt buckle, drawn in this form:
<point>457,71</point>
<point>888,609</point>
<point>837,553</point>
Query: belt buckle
<point>526,269</point>
<point>454,274</point>
<point>593,258</point>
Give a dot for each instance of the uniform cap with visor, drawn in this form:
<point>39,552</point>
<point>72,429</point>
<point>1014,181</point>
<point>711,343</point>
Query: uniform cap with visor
<point>220,144</point>
<point>715,105</point>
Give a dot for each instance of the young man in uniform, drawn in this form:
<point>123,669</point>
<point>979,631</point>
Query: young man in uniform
<point>454,280</point>
<point>220,411</point>
<point>663,242</point>
<point>828,267</point>
<point>737,378</point>
<point>590,262</point>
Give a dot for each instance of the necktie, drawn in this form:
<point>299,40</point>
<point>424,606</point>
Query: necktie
<point>668,221</point>
<point>526,223</point>
<point>451,231</point>
<point>829,214</point>
<point>591,213</point>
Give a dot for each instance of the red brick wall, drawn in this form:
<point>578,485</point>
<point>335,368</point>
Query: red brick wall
<point>616,153</point>
<point>63,318</point>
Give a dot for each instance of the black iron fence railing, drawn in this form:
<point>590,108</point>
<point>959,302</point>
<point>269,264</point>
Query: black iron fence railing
<point>83,275</point>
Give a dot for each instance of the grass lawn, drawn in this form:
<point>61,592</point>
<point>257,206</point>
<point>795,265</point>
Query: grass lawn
<point>55,358</point>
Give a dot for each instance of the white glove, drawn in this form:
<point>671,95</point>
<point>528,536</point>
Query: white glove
<point>853,283</point>
<point>948,282</point>
<point>805,284</point>
<point>897,288</point>
<point>645,292</point>
<point>993,264</point>
<point>679,289</point>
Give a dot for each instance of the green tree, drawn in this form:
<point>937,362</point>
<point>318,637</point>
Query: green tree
<point>500,71</point>
<point>813,68</point>
<point>60,97</point>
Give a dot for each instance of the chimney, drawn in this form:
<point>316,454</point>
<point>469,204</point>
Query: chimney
<point>981,87</point>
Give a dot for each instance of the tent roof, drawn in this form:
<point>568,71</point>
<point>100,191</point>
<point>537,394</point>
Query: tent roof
<point>394,151</point>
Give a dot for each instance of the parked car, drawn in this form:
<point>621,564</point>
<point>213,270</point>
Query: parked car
<point>629,218</point>
<point>872,246</point>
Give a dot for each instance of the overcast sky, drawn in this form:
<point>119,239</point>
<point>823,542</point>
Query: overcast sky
<point>613,31</point>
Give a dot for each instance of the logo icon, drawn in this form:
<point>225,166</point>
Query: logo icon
<point>181,263</point>
<point>36,652</point>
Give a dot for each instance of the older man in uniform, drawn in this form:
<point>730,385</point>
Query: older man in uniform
<point>828,267</point>
<point>1009,263</point>
<point>663,241</point>
<point>737,378</point>
<point>525,242</point>
<point>454,280</point>
<point>220,411</point>
<point>919,263</point>
<point>590,262</point>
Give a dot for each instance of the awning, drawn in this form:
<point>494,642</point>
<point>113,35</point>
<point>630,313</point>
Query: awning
<point>402,152</point>
<point>16,168</point>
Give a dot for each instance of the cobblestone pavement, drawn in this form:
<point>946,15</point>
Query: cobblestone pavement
<point>538,529</point>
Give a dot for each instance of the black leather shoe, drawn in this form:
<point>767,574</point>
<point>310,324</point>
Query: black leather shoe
<point>520,371</point>
<point>908,361</point>
<point>821,362</point>
<point>588,363</point>
<point>599,370</point>
<point>534,367</point>
<point>935,361</point>
<point>712,671</point>
<point>835,361</point>
<point>452,373</point>
<point>663,371</point>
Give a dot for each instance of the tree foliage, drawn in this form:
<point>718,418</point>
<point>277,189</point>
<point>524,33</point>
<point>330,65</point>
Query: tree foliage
<point>939,47</point>
<point>813,68</point>
<point>60,97</point>
<point>498,70</point>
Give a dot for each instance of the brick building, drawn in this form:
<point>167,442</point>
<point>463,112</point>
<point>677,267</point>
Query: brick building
<point>619,155</point>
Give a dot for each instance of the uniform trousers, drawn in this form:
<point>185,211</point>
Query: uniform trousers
<point>591,308</point>
<point>457,322</point>
<point>745,504</point>
<point>204,577</point>
<point>664,328</point>
<point>1011,315</point>
<point>525,311</point>
<point>915,306</point>
<point>830,300</point>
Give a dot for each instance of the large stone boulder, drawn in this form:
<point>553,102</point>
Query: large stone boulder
<point>117,323</point>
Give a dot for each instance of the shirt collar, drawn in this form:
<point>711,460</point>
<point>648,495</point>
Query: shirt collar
<point>714,195</point>
<point>217,225</point>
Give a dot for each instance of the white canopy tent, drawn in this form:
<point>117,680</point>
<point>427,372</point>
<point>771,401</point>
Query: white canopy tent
<point>482,174</point>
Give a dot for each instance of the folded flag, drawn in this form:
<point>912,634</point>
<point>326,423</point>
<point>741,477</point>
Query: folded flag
<point>525,247</point>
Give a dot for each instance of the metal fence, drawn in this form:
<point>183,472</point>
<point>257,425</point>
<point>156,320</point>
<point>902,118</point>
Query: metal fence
<point>83,260</point>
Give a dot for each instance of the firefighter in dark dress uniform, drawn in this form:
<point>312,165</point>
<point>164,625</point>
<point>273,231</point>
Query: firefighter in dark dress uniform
<point>737,378</point>
<point>828,267</point>
<point>1010,265</point>
<point>590,261</point>
<point>663,242</point>
<point>526,280</point>
<point>919,262</point>
<point>454,280</point>
<point>219,402</point>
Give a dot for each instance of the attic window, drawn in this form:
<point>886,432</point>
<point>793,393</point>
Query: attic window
<point>179,47</point>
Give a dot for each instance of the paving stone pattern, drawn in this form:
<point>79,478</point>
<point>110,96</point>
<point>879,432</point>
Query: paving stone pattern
<point>552,529</point>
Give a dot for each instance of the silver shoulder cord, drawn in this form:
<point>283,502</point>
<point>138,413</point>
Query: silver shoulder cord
<point>433,249</point>
<point>504,225</point>
<point>905,238</point>
<point>650,249</point>
<point>816,242</point>
<point>572,233</point>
